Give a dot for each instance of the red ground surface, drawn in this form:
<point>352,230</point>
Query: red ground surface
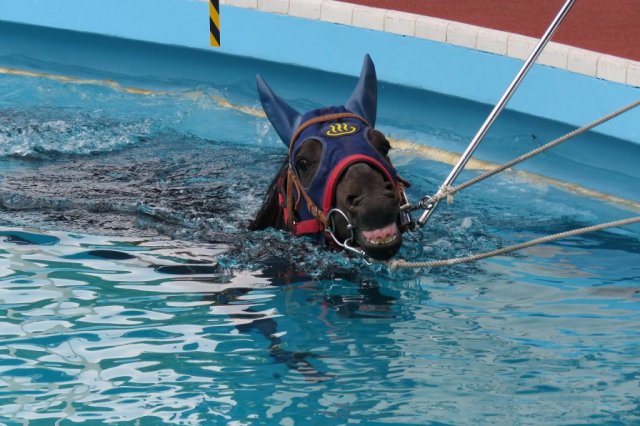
<point>606,26</point>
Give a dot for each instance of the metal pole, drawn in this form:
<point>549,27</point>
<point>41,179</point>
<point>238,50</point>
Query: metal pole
<point>430,207</point>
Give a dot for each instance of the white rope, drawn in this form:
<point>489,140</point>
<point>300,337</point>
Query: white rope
<point>449,191</point>
<point>396,264</point>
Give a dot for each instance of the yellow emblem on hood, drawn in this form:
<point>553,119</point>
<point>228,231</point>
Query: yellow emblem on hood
<point>340,129</point>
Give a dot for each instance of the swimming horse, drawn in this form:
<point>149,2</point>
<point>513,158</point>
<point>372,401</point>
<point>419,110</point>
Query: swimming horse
<point>337,183</point>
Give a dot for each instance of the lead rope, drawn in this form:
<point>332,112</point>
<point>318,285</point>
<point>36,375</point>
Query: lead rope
<point>396,264</point>
<point>449,191</point>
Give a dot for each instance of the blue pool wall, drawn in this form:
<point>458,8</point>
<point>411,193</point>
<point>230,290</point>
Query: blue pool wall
<point>547,92</point>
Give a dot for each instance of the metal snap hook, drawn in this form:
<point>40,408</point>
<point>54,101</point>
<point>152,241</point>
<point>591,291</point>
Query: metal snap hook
<point>330,229</point>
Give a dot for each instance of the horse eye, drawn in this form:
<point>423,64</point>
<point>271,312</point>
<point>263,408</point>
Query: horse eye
<point>302,165</point>
<point>379,141</point>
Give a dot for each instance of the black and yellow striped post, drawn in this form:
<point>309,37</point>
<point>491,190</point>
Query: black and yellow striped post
<point>214,23</point>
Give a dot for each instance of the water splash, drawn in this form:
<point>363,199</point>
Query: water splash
<point>44,132</point>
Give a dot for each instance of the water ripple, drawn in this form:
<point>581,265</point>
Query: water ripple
<point>136,296</point>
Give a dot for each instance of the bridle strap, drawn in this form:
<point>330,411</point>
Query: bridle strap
<point>289,201</point>
<point>292,180</point>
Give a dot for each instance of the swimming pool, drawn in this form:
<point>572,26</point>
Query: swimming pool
<point>131,293</point>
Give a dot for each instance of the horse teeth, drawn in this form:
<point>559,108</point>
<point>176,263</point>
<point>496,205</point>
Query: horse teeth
<point>381,236</point>
<point>383,240</point>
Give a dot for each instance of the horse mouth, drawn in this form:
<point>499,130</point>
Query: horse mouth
<point>381,236</point>
<point>381,243</point>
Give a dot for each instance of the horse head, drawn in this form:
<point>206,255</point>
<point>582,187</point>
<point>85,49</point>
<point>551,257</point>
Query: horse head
<point>338,175</point>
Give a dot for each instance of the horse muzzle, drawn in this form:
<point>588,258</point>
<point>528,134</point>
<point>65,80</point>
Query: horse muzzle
<point>377,227</point>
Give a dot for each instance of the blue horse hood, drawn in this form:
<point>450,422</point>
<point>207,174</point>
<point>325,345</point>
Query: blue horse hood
<point>343,132</point>
<point>344,141</point>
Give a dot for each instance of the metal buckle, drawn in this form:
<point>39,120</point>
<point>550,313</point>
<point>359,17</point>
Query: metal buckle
<point>330,229</point>
<point>406,221</point>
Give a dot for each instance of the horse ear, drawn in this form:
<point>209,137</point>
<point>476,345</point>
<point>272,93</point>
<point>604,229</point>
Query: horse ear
<point>364,99</point>
<point>283,117</point>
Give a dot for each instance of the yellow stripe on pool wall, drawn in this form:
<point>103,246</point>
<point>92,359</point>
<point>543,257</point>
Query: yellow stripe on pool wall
<point>191,94</point>
<point>214,23</point>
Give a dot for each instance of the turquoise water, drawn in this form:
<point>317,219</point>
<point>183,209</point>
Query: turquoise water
<point>130,292</point>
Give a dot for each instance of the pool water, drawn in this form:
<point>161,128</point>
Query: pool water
<point>130,292</point>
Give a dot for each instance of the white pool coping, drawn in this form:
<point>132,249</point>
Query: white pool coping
<point>557,55</point>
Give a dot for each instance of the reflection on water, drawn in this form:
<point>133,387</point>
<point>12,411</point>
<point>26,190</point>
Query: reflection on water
<point>109,328</point>
<point>122,329</point>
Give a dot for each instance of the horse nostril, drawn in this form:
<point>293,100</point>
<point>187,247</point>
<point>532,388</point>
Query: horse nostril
<point>390,190</point>
<point>352,200</point>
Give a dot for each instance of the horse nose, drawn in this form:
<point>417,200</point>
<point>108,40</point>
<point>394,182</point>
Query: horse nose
<point>388,186</point>
<point>388,191</point>
<point>384,198</point>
